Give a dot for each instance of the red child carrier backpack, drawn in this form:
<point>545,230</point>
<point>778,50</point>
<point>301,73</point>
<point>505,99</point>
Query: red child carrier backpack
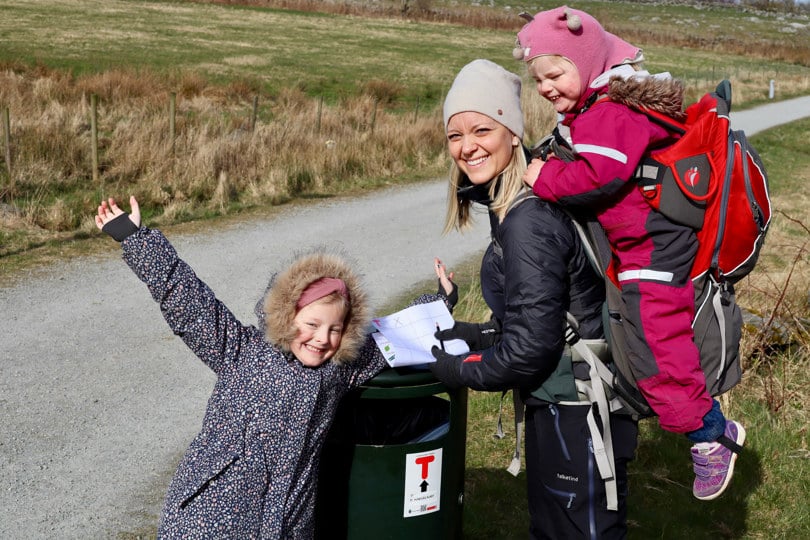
<point>713,180</point>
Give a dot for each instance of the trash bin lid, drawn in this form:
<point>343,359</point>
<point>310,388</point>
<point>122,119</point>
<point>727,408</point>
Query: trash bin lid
<point>402,382</point>
<point>402,376</point>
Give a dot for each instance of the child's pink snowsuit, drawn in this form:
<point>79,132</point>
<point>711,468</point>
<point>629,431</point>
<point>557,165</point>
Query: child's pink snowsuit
<point>654,255</point>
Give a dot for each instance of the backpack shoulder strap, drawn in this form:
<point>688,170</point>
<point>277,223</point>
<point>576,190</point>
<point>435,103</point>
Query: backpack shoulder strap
<point>594,241</point>
<point>520,198</point>
<point>663,120</point>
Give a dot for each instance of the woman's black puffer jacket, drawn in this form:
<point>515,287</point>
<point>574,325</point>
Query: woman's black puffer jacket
<point>533,272</point>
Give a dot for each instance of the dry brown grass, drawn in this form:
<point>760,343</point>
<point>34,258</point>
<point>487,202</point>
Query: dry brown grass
<point>215,163</point>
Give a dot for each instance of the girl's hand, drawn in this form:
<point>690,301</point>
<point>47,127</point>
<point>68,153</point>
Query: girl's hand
<point>108,210</point>
<point>447,288</point>
<point>445,281</point>
<point>533,172</point>
<point>115,222</point>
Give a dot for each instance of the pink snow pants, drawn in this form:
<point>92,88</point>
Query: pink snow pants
<point>655,258</point>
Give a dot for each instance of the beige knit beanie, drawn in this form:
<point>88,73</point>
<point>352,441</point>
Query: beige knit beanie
<point>485,87</point>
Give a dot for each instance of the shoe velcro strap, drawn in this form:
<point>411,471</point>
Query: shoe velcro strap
<point>728,443</point>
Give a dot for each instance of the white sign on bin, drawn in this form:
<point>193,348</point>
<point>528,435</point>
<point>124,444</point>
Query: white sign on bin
<point>423,483</point>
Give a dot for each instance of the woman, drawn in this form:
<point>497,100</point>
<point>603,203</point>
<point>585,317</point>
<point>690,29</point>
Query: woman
<point>533,273</point>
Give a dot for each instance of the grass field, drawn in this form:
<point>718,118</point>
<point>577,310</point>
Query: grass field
<point>381,80</point>
<point>274,104</point>
<point>334,55</point>
<point>324,55</point>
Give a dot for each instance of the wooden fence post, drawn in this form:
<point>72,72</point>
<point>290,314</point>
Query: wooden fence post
<point>7,143</point>
<point>172,115</point>
<point>255,113</point>
<point>416,109</point>
<point>318,121</point>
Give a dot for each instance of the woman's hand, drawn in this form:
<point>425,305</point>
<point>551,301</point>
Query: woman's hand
<point>115,222</point>
<point>477,336</point>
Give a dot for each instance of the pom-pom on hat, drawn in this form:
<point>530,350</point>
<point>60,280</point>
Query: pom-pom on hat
<point>485,87</point>
<point>577,36</point>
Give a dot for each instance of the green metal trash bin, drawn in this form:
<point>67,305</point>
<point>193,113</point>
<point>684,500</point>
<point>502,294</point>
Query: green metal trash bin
<point>393,464</point>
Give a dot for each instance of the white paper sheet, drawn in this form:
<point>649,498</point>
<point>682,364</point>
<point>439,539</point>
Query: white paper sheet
<point>406,337</point>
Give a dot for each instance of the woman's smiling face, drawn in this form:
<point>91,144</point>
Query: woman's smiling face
<point>480,146</point>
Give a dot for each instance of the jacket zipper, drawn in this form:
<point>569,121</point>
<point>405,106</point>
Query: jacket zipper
<point>553,410</point>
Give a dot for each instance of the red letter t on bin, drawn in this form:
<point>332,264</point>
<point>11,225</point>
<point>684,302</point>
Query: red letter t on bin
<point>424,461</point>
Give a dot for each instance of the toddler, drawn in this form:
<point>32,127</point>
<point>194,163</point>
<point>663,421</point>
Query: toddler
<point>594,82</point>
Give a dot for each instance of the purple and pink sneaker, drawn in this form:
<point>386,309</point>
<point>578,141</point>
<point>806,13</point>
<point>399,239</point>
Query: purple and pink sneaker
<point>714,462</point>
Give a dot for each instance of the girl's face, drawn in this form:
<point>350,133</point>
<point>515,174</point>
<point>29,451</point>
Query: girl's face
<point>558,81</point>
<point>480,146</point>
<point>320,328</point>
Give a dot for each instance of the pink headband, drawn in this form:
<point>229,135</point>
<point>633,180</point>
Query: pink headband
<point>320,288</point>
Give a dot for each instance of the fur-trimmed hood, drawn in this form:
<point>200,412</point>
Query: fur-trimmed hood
<point>664,95</point>
<point>276,310</point>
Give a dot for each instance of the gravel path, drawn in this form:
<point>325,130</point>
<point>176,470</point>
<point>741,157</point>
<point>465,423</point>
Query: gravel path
<point>99,399</point>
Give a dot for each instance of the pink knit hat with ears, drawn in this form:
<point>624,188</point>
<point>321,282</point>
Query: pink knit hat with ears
<point>578,37</point>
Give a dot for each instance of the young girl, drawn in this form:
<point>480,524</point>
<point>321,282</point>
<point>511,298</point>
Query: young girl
<point>575,64</point>
<point>251,471</point>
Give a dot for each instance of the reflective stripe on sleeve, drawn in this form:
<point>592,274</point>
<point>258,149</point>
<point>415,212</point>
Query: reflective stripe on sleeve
<point>611,153</point>
<point>647,275</point>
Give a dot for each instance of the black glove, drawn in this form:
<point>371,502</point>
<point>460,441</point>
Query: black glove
<point>447,367</point>
<point>478,336</point>
<point>120,227</point>
<point>452,298</point>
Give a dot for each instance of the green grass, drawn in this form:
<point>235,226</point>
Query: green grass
<point>324,55</point>
<point>332,56</point>
<point>786,157</point>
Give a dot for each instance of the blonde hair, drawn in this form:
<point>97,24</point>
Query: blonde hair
<point>335,298</point>
<point>558,60</point>
<point>502,190</point>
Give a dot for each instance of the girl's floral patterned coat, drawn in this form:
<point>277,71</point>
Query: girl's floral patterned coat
<point>251,472</point>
